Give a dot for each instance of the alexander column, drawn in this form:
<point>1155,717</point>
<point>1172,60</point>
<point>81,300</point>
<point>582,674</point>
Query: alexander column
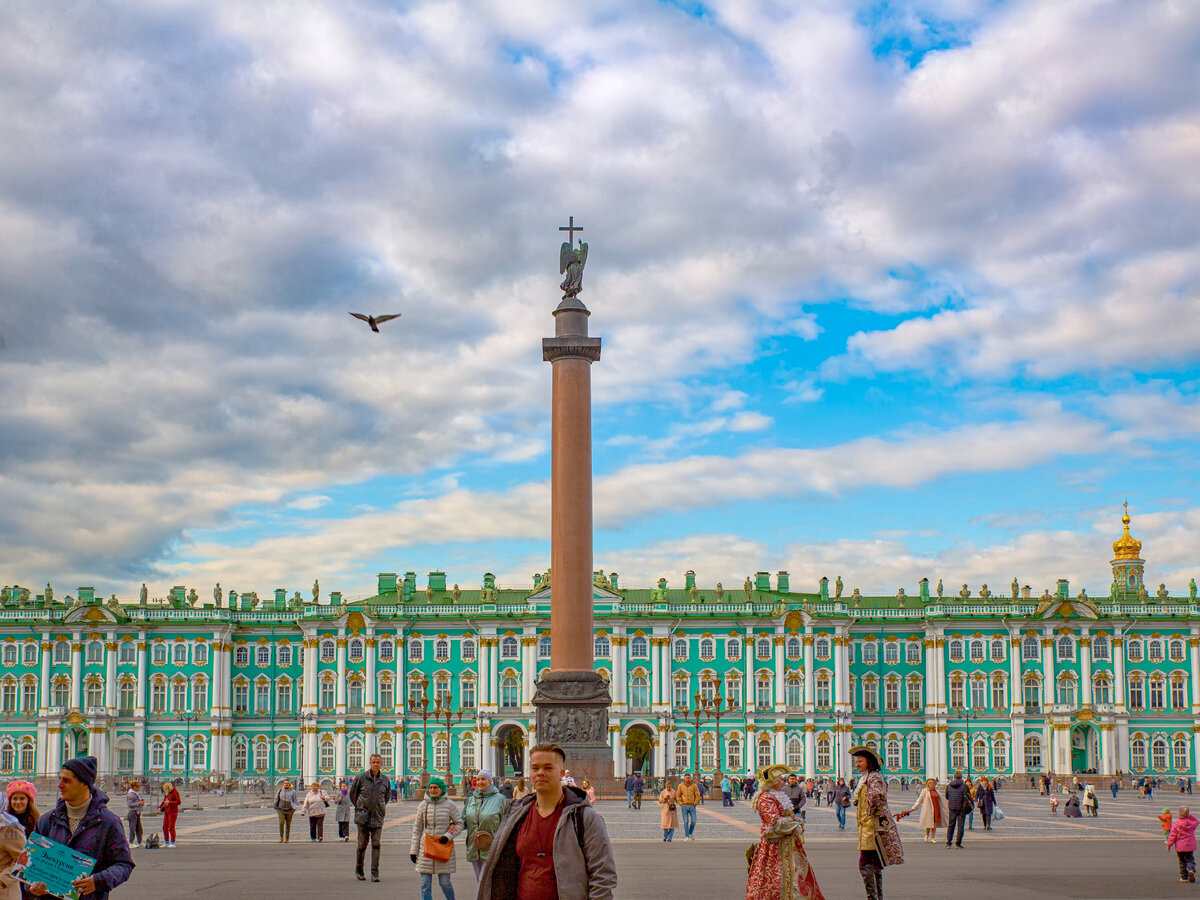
<point>572,699</point>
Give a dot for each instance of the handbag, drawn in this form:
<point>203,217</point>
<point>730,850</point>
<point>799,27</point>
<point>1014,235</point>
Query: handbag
<point>482,840</point>
<point>433,848</point>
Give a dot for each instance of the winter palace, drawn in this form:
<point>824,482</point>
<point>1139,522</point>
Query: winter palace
<point>1002,682</point>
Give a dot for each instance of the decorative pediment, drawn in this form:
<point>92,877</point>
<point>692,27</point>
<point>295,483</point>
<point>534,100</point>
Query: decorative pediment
<point>91,614</point>
<point>1066,609</point>
<point>598,593</point>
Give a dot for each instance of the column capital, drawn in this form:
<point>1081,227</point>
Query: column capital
<point>573,346</point>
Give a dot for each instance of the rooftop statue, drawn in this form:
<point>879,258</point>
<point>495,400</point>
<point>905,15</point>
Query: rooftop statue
<point>218,594</point>
<point>984,592</point>
<point>456,593</point>
<point>192,597</point>
<point>747,587</point>
<point>572,261</point>
<point>143,594</point>
<point>297,601</point>
<point>856,597</point>
<point>50,592</point>
<point>1192,590</point>
<point>939,589</point>
<point>316,591</point>
<point>965,592</point>
<point>1163,593</point>
<point>837,588</point>
<point>1016,589</point>
<point>721,589</point>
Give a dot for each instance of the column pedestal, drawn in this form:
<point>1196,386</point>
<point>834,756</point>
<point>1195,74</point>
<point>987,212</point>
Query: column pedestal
<point>572,711</point>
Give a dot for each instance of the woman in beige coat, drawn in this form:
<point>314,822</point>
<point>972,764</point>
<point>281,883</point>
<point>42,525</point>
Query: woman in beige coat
<point>437,816</point>
<point>670,811</point>
<point>932,812</point>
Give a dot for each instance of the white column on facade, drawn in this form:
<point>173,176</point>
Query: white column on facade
<point>47,651</point>
<point>655,672</point>
<point>309,703</point>
<point>1108,750</point>
<point>777,645</point>
<point>369,744</point>
<point>339,753</point>
<point>77,673</point>
<point>1193,646</point>
<point>780,745</point>
<point>931,672</point>
<point>140,706</point>
<point>1118,652</point>
<point>1017,745</point>
<point>810,751</point>
<point>666,681</point>
<point>748,656</point>
<point>1085,667</point>
<point>528,664</point>
<point>484,654</point>
<point>619,647</point>
<point>494,673</point>
<point>808,679</point>
<point>1048,671</point>
<point>1122,760</point>
<point>660,754</point>
<point>614,735</point>
<point>369,694</point>
<point>110,673</point>
<point>341,679</point>
<point>1016,688</point>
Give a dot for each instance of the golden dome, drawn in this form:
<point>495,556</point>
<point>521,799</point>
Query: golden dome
<point>1126,547</point>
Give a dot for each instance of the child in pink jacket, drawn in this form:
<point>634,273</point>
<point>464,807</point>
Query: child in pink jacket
<point>1183,839</point>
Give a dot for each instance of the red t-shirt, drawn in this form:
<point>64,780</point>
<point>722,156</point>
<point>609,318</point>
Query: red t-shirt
<point>535,851</point>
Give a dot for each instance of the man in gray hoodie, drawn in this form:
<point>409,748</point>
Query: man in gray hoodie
<point>552,843</point>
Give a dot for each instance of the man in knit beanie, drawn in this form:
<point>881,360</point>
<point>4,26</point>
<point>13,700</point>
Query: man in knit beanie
<point>82,821</point>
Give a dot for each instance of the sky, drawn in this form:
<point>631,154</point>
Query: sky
<point>888,290</point>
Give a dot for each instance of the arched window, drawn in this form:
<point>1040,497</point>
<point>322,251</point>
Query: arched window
<point>708,752</point>
<point>958,754</point>
<point>94,697</point>
<point>822,690</point>
<point>639,692</point>
<point>199,754</point>
<point>1032,693</point>
<point>733,649</point>
<point>891,653</point>
<point>543,648</point>
<point>29,757</point>
<point>387,651</point>
<point>1100,648</point>
<point>999,693</point>
<point>708,648</point>
<point>1135,651</point>
<point>200,655</point>
<point>510,693</point>
<point>733,690</point>
<point>977,651</point>
<point>794,698</point>
<point>1033,754</point>
<point>441,649</point>
<point>1175,650</point>
<point>127,652</point>
<point>1029,648</point>
<point>126,694</point>
<point>158,755</point>
<point>639,647</point>
<point>326,693</point>
<point>441,754</point>
<point>915,703</point>
<point>979,754</point>
<point>241,655</point>
<point>354,695</point>
<point>681,754</point>
<point>1155,651</point>
<point>821,647</point>
<point>240,763</point>
<point>466,752</point>
<point>416,650</point>
<point>283,756</point>
<point>869,654</point>
<point>1157,693</point>
<point>681,692</point>
<point>997,650</point>
<point>892,754</point>
<point>31,653</point>
<point>979,691</point>
<point>1178,693</point>
<point>355,650</point>
<point>957,691</point>
<point>1066,648</point>
<point>1137,752</point>
<point>824,752</point>
<point>914,753</point>
<point>763,692</point>
<point>387,754</point>
<point>1158,753</point>
<point>8,756</point>
<point>509,648</point>
<point>602,647</point>
<point>262,655</point>
<point>354,755</point>
<point>870,695</point>
<point>679,649</point>
<point>62,652</point>
<point>1179,750</point>
<point>733,755</point>
<point>200,697</point>
<point>95,652</point>
<point>179,756</point>
<point>1066,690</point>
<point>1136,696</point>
<point>325,756</point>
<point>999,754</point>
<point>764,752</point>
<point>956,650</point>
<point>793,648</point>
<point>416,753</point>
<point>762,648</point>
<point>795,754</point>
<point>1102,689</point>
<point>468,650</point>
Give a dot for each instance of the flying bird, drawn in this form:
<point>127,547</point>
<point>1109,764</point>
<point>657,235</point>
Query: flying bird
<point>375,321</point>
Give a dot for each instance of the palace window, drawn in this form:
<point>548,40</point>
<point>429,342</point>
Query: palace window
<point>30,653</point>
<point>283,654</point>
<point>1135,652</point>
<point>327,694</point>
<point>510,693</point>
<point>62,693</point>
<point>200,655</point>
<point>159,653</point>
<point>707,648</point>
<point>1179,750</point>
<point>734,754</point>
<point>639,648</point>
<point>355,650</point>
<point>1066,691</point>
<point>62,652</point>
<point>1066,648</point>
<point>679,650</point>
<point>824,753</point>
<point>387,755</point>
<point>762,692</point>
<point>956,650</point>
<point>1158,753</point>
<point>997,650</point>
<point>416,650</point>
<point>354,755</point>
<point>1100,651</point>
<point>387,694</point>
<point>239,756</point>
<point>1155,653</point>
<point>441,649</point>
<point>977,651</point>
<point>354,697</point>
<point>957,691</point>
<point>262,697</point>
<point>416,753</point>
<point>466,753</point>
<point>468,650</point>
<point>262,755</point>
<point>11,654</point>
<point>262,656</point>
<point>241,655</point>
<point>602,647</point>
<point>708,687</point>
<point>1032,694</point>
<point>1102,689</point>
<point>681,754</point>
<point>1178,695</point>
<point>198,754</point>
<point>822,691</point>
<point>914,695</point>
<point>1175,650</point>
<point>29,696</point>
<point>999,754</point>
<point>158,755</point>
<point>1029,648</point>
<point>639,692</point>
<point>1157,698</point>
<point>95,652</point>
<point>510,649</point>
<point>283,757</point>
<point>821,647</point>
<point>891,653</point>
<point>387,651</point>
<point>765,752</point>
<point>543,648</point>
<point>179,653</point>
<point>870,695</point>
<point>914,653</point>
<point>958,754</point>
<point>8,757</point>
<point>95,694</point>
<point>158,698</point>
<point>681,693</point>
<point>733,649</point>
<point>325,755</point>
<point>283,697</point>
<point>999,694</point>
<point>468,694</point>
<point>979,754</point>
<point>178,756</point>
<point>914,754</point>
<point>28,757</point>
<point>891,753</point>
<point>1135,695</point>
<point>8,693</point>
<point>762,648</point>
<point>793,649</point>
<point>1137,753</point>
<point>795,693</point>
<point>441,754</point>
<point>979,692</point>
<point>708,752</point>
<point>126,694</point>
<point>869,653</point>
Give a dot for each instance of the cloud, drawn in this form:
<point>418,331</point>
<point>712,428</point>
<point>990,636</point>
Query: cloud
<point>309,502</point>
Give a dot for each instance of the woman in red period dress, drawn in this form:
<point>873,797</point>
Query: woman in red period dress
<point>779,869</point>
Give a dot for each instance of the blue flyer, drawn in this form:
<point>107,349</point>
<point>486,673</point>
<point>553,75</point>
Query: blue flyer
<point>55,864</point>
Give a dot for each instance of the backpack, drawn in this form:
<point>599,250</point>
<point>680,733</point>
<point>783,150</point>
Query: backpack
<point>153,842</point>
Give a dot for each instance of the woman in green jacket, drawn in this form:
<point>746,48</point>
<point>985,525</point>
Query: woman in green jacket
<point>484,811</point>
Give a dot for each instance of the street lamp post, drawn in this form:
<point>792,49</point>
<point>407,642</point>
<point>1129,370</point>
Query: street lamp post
<point>420,707</point>
<point>714,708</point>
<point>188,718</point>
<point>695,717</point>
<point>442,712</point>
<point>964,714</point>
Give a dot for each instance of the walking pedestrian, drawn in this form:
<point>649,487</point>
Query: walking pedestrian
<point>553,844</point>
<point>779,867</point>
<point>342,812</point>
<point>1114,787</point>
<point>795,791</point>
<point>958,803</point>
<point>668,802</point>
<point>134,804</point>
<point>929,802</point>
<point>482,814</point>
<point>985,799</point>
<point>314,805</point>
<point>589,790</point>
<point>369,794</point>
<point>21,795</point>
<point>438,821</point>
<point>1182,838</point>
<point>726,791</point>
<point>169,807</point>
<point>639,787</point>
<point>629,782</point>
<point>841,802</point>
<point>878,840</point>
<point>286,801</point>
<point>1090,803</point>
<point>83,822</point>
<point>970,814</point>
<point>688,796</point>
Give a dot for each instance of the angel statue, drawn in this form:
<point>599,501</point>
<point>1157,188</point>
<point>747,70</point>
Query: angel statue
<point>572,262</point>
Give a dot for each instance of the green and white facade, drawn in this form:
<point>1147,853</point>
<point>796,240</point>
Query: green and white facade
<point>238,689</point>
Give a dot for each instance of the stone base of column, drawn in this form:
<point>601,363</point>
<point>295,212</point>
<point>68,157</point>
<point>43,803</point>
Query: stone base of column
<point>572,711</point>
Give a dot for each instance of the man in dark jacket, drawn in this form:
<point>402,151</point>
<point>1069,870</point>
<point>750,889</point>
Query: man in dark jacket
<point>83,822</point>
<point>369,793</point>
<point>630,785</point>
<point>958,799</point>
<point>565,852</point>
<point>639,786</point>
<point>795,791</point>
